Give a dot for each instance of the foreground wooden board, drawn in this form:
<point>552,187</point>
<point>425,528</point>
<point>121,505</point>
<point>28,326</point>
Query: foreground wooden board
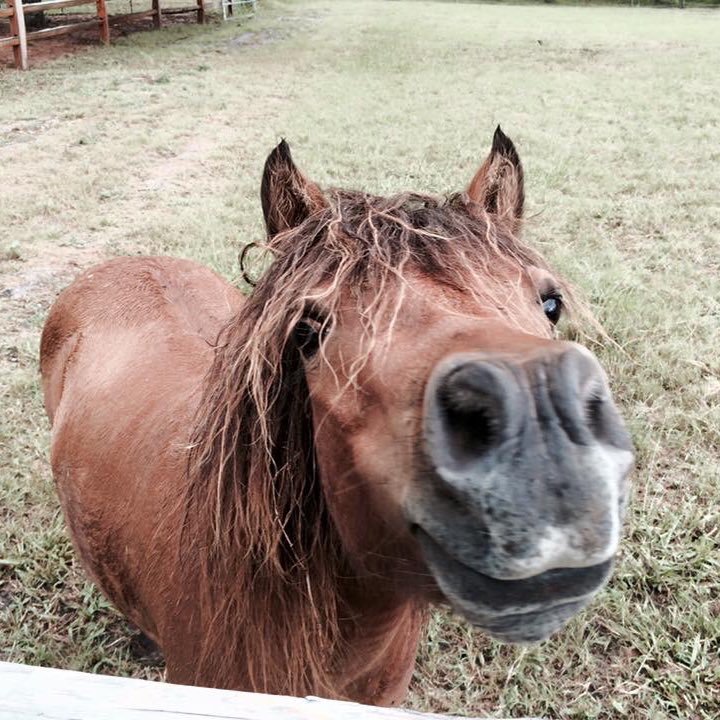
<point>32,692</point>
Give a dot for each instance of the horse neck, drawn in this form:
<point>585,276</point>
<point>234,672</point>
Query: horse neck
<point>380,633</point>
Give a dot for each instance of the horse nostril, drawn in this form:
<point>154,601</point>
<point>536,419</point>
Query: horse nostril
<point>594,412</point>
<point>471,410</point>
<point>471,430</point>
<point>581,397</point>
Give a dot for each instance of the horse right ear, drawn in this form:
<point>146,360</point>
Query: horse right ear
<point>287,196</point>
<point>498,185</point>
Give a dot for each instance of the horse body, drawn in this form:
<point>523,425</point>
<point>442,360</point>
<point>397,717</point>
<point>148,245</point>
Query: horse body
<point>275,488</point>
<point>124,354</point>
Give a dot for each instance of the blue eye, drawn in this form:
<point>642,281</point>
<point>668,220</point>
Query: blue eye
<point>552,307</point>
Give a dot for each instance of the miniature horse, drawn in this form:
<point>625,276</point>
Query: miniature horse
<point>275,488</point>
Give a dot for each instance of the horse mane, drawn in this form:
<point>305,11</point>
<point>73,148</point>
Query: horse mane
<point>270,559</point>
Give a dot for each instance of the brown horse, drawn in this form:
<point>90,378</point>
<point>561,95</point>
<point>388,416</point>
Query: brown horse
<point>274,488</point>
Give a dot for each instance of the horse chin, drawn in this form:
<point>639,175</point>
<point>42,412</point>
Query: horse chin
<point>513,611</point>
<point>528,627</point>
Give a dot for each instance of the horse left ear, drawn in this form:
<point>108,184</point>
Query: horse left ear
<point>287,196</point>
<point>498,185</point>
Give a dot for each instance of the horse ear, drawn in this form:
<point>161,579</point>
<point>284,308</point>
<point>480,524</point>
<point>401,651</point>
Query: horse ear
<point>498,185</point>
<point>287,196</point>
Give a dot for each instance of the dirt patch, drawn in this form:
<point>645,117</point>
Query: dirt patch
<point>262,37</point>
<point>21,279</point>
<point>25,129</point>
<point>173,170</point>
<point>288,26</point>
<point>28,286</point>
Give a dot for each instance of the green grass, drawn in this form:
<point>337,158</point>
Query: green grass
<point>156,145</point>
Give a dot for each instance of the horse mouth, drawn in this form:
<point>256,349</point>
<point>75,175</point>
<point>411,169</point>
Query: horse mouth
<point>512,611</point>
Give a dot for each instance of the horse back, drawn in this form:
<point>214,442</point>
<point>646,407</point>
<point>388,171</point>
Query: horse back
<point>133,295</point>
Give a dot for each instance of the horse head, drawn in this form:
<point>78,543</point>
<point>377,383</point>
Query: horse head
<point>393,405</point>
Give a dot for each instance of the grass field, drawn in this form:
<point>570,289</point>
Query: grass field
<point>156,145</point>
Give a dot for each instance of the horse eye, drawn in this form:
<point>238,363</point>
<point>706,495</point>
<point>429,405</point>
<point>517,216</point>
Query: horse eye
<point>552,307</point>
<point>307,336</point>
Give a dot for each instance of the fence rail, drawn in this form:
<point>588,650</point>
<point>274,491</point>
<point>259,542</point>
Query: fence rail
<point>19,37</point>
<point>31,692</point>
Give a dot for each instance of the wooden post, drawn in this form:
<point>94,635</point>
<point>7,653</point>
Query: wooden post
<point>17,28</point>
<point>200,12</point>
<point>157,13</point>
<point>103,19</point>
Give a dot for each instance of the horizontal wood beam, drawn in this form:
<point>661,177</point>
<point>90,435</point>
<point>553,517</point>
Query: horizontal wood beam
<point>30,693</point>
<point>11,41</point>
<point>120,18</point>
<point>54,5</point>
<point>179,11</point>
<point>61,30</point>
<point>6,12</point>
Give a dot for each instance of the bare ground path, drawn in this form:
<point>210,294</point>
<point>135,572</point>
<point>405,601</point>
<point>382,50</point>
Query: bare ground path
<point>156,145</point>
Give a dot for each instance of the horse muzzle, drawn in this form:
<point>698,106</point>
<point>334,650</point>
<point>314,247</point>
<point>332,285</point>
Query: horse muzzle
<point>513,611</point>
<point>519,506</point>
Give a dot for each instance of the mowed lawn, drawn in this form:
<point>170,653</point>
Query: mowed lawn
<point>156,146</point>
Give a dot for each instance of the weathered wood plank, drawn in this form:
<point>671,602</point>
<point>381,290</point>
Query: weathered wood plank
<point>120,19</point>
<point>179,10</point>
<point>54,5</point>
<point>102,14</point>
<point>30,692</point>
<point>17,28</point>
<point>157,14</point>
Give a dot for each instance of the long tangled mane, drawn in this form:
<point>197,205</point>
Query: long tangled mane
<point>270,557</point>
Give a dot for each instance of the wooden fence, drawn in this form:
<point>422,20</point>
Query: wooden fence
<point>31,692</point>
<point>16,12</point>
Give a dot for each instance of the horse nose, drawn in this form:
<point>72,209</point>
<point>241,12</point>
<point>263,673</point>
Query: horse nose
<point>476,404</point>
<point>529,459</point>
